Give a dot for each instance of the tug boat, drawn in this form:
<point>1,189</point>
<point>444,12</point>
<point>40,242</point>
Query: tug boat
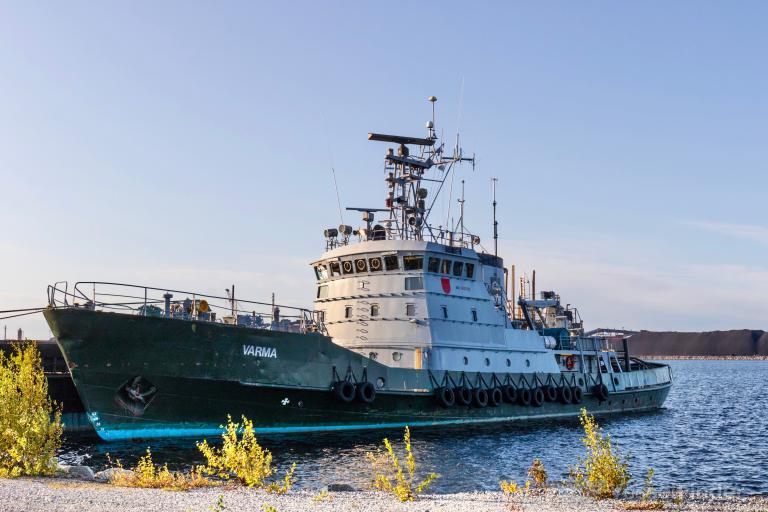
<point>412,325</point>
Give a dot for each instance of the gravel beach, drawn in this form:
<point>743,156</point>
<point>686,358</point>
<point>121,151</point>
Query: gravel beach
<point>68,495</point>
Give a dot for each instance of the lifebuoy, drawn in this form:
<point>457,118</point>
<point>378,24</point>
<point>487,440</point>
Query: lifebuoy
<point>463,395</point>
<point>510,394</point>
<point>375,263</point>
<point>564,395</point>
<point>344,391</point>
<point>495,397</point>
<point>347,266</point>
<point>445,396</point>
<point>537,397</point>
<point>480,397</point>
<point>570,362</point>
<point>576,394</point>
<point>366,393</point>
<point>360,264</point>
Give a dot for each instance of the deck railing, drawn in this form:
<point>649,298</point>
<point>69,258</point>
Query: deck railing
<point>185,305</point>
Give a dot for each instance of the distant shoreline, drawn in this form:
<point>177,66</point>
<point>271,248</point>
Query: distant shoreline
<point>704,358</point>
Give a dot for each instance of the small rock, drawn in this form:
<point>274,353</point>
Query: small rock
<point>108,474</point>
<point>340,488</point>
<point>81,472</point>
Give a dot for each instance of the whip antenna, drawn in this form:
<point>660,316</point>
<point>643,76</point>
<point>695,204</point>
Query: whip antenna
<point>338,198</point>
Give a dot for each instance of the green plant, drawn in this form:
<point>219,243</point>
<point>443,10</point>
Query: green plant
<point>266,507</point>
<point>219,507</point>
<point>603,473</point>
<point>322,496</point>
<point>510,488</point>
<point>538,473</point>
<point>30,422</point>
<point>243,459</point>
<point>648,490</point>
<point>394,479</point>
<point>148,475</point>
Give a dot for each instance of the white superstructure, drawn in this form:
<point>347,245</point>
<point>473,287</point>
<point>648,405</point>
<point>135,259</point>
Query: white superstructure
<point>410,295</point>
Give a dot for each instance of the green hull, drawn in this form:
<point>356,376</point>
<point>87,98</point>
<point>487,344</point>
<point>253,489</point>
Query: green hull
<point>147,377</point>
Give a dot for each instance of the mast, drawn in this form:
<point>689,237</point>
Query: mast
<point>409,167</point>
<point>495,222</point>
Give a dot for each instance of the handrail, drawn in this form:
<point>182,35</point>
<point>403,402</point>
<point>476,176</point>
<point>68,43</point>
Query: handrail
<point>146,301</point>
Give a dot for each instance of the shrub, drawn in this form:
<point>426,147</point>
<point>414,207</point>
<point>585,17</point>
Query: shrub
<point>538,473</point>
<point>510,488</point>
<point>243,459</point>
<point>602,473</point>
<point>148,475</point>
<point>394,479</point>
<point>30,422</point>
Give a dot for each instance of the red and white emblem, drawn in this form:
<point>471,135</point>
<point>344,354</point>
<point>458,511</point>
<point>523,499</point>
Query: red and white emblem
<point>446,284</point>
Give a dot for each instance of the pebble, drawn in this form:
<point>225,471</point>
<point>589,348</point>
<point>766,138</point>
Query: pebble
<point>68,495</point>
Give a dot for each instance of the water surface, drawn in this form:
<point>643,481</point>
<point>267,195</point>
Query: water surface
<point>710,436</point>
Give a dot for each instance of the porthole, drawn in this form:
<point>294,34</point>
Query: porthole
<point>528,362</point>
<point>616,380</point>
<point>373,355</point>
<point>487,362</point>
<point>396,356</point>
<point>581,382</point>
<point>380,382</point>
<point>466,360</point>
<point>509,363</point>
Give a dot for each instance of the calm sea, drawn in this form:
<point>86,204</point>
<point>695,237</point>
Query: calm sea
<point>710,436</point>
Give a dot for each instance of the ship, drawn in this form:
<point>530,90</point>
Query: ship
<point>414,324</point>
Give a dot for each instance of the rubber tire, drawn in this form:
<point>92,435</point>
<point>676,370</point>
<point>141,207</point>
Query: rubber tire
<point>600,391</point>
<point>537,397</point>
<point>550,393</point>
<point>510,394</point>
<point>344,391</point>
<point>365,392</point>
<point>495,397</point>
<point>463,395</point>
<point>577,395</point>
<point>480,397</point>
<point>564,395</point>
<point>524,397</point>
<point>445,397</point>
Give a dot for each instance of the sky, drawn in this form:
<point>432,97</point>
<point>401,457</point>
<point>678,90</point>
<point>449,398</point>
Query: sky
<point>190,144</point>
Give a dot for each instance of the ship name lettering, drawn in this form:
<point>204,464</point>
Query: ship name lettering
<point>250,350</point>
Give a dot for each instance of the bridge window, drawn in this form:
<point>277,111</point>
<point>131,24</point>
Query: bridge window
<point>347,311</point>
<point>410,309</point>
<point>445,268</point>
<point>322,291</point>
<point>414,283</point>
<point>470,270</point>
<point>321,273</point>
<point>375,264</point>
<point>413,262</point>
<point>346,266</point>
<point>335,268</point>
<point>391,263</point>
<point>445,311</point>
<point>474,315</point>
<point>457,268</point>
<point>361,266</point>
<point>433,265</point>
<point>374,310</point>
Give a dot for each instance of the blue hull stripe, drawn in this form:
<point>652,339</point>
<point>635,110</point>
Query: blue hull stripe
<point>118,433</point>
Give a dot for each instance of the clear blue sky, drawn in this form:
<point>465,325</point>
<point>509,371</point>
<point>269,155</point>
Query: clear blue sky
<point>188,144</point>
